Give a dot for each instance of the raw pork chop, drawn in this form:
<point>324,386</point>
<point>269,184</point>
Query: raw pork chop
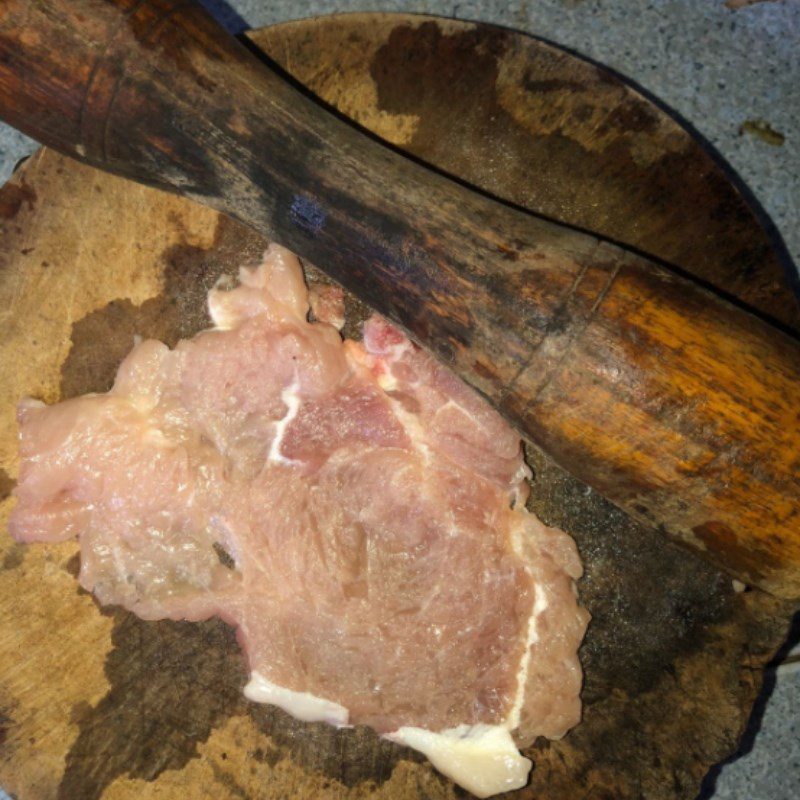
<point>385,570</point>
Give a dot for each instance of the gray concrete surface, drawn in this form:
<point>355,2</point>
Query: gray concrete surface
<point>771,770</point>
<point>720,69</point>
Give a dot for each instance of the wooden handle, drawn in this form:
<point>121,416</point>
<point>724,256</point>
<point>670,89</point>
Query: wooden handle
<point>676,405</point>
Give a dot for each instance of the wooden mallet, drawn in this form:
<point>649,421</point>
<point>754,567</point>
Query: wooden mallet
<point>678,406</point>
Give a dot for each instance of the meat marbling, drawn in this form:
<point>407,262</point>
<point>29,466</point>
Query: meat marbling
<point>385,571</point>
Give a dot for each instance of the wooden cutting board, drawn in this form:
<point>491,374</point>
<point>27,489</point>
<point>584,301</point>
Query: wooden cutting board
<point>95,703</point>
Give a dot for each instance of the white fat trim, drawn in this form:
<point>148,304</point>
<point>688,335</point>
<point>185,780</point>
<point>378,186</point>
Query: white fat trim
<point>291,399</point>
<point>222,315</point>
<point>255,277</point>
<point>387,381</point>
<point>396,351</point>
<point>32,402</point>
<point>483,759</point>
<point>518,482</point>
<point>411,424</point>
<point>539,605</point>
<point>301,705</point>
<point>453,404</point>
<point>152,435</point>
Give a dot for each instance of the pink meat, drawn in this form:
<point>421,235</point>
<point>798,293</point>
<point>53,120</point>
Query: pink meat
<point>327,304</point>
<point>371,504</point>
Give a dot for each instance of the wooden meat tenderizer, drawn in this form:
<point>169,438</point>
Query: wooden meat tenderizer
<point>678,406</point>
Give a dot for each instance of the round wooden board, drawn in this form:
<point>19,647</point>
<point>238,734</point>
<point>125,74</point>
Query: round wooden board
<point>95,703</point>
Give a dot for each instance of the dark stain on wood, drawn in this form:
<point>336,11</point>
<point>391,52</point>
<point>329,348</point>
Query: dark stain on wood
<point>7,484</point>
<point>627,160</point>
<point>170,685</point>
<point>73,565</point>
<point>421,71</point>
<point>671,653</point>
<point>79,712</point>
<point>645,618</point>
<point>14,556</point>
<point>102,339</point>
<point>12,197</point>
<point>267,755</point>
<point>348,756</point>
<point>226,779</point>
<point>717,536</point>
<point>5,724</point>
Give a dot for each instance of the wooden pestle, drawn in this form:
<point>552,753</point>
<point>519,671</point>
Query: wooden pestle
<point>681,408</point>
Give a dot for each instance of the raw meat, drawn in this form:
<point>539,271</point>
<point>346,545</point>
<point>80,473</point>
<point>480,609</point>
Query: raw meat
<point>385,571</point>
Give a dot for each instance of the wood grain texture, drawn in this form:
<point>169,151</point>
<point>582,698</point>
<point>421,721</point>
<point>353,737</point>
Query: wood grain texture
<point>97,705</point>
<point>672,402</point>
